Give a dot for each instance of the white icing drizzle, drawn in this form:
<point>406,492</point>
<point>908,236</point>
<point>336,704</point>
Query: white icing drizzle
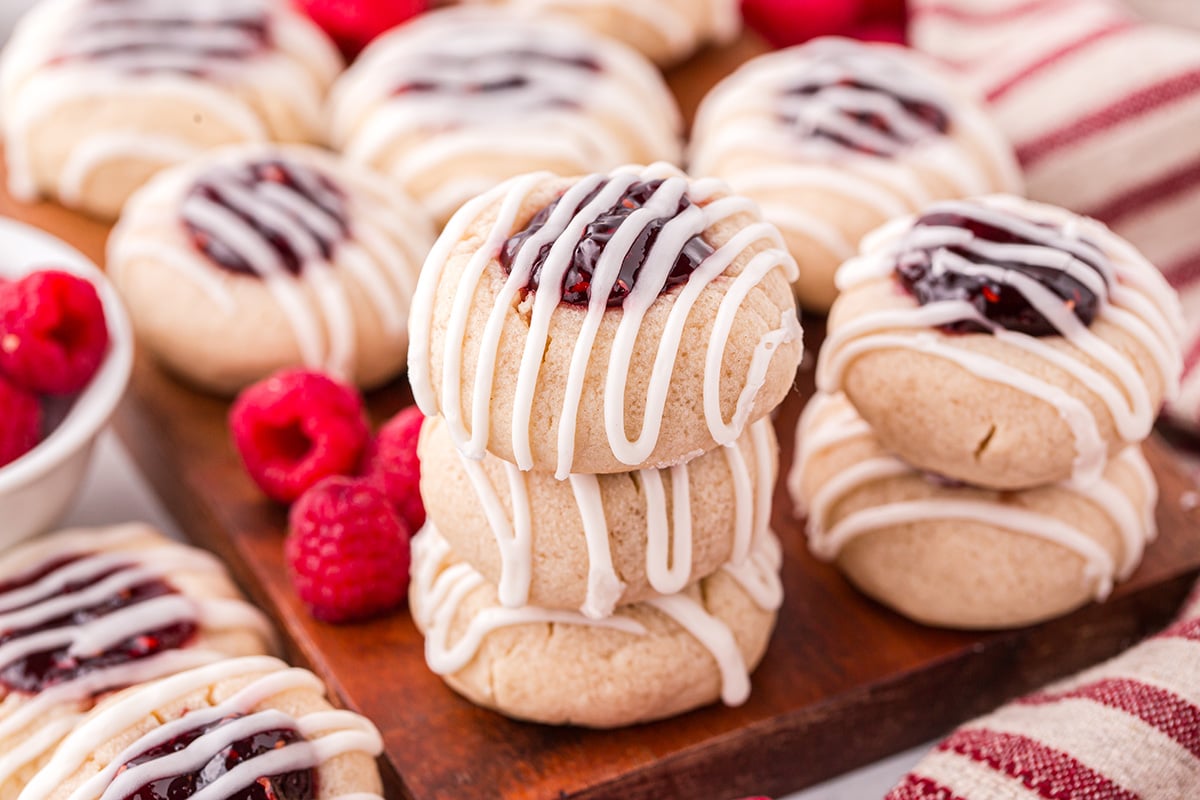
<point>324,734</point>
<point>564,227</point>
<point>205,54</point>
<point>1136,300</point>
<point>97,553</point>
<point>748,114</point>
<point>559,98</point>
<point>338,234</point>
<point>668,537</point>
<point>439,587</point>
<point>830,422</point>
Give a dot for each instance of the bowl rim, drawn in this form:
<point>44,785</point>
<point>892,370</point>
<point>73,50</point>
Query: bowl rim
<point>94,406</point>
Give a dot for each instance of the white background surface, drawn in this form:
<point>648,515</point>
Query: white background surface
<point>115,492</point>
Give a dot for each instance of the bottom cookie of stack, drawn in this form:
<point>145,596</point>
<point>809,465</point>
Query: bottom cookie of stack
<point>649,660</point>
<point>949,554</point>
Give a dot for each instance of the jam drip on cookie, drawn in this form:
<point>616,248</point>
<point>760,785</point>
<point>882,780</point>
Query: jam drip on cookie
<point>81,615</point>
<point>144,36</point>
<point>1021,275</point>
<point>863,101</point>
<point>265,218</point>
<point>211,750</point>
<point>577,280</point>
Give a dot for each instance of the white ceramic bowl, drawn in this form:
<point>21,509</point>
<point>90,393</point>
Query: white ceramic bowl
<point>37,488</point>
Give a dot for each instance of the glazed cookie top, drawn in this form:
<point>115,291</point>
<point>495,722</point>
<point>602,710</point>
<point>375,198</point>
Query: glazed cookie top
<point>1032,276</point>
<point>500,82</point>
<point>69,49</point>
<point>829,423</point>
<point>441,584</point>
<point>241,735</point>
<point>623,243</point>
<point>290,217</point>
<point>838,100</point>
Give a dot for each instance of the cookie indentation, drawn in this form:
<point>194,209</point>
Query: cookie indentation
<point>639,259</point>
<point>1021,275</point>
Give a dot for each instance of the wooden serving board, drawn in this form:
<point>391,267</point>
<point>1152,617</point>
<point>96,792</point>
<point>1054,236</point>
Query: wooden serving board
<point>845,681</point>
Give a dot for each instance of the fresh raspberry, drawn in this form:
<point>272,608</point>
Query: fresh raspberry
<point>788,22</point>
<point>297,427</point>
<point>53,335</point>
<point>885,10</point>
<point>891,33</point>
<point>347,550</point>
<point>20,421</point>
<point>354,23</point>
<point>393,466</point>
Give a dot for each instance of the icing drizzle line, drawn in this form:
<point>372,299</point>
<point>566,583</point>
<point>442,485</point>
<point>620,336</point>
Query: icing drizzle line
<point>668,541</point>
<point>1137,301</point>
<point>324,735</point>
<point>829,422</point>
<point>438,591</point>
<point>561,231</point>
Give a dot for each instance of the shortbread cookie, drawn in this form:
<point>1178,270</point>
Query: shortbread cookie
<point>239,729</point>
<point>650,660</point>
<point>949,554</point>
<point>261,257</point>
<point>631,534</point>
<point>85,612</point>
<point>602,324</point>
<point>462,99</point>
<point>1003,343</point>
<point>835,137</point>
<point>97,95</point>
<point>666,31</point>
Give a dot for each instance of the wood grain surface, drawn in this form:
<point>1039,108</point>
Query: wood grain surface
<point>844,683</point>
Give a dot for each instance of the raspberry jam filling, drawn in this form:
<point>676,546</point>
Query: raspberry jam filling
<point>577,280</point>
<point>138,37</point>
<point>37,668</point>
<point>505,70</point>
<point>958,251</point>
<point>264,217</point>
<point>299,784</point>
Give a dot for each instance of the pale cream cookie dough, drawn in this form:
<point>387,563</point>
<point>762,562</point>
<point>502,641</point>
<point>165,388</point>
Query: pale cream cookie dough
<point>602,324</point>
<point>648,661</point>
<point>98,95</point>
<point>835,137</point>
<point>115,607</point>
<point>954,555</point>
<point>593,542</point>
<point>1003,343</point>
<point>259,257</point>
<point>290,742</point>
<point>665,31</point>
<point>461,99</point>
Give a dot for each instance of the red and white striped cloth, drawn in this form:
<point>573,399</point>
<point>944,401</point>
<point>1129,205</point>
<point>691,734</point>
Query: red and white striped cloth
<point>1103,109</point>
<point>1172,12</point>
<point>1126,730</point>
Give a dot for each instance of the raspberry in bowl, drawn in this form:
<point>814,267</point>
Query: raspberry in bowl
<point>66,353</point>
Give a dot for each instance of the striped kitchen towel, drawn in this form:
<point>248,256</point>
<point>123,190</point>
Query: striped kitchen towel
<point>1103,109</point>
<point>1128,729</point>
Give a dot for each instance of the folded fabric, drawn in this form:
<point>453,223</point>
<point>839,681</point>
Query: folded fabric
<point>1128,729</point>
<point>1102,108</point>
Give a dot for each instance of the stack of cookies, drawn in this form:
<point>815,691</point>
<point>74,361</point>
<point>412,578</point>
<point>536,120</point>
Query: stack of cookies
<point>597,358</point>
<point>973,456</point>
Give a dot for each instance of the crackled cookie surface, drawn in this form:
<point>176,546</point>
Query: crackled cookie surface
<point>835,137</point>
<point>1003,343</point>
<point>98,95</point>
<point>86,612</point>
<point>648,661</point>
<point>461,99</point>
<point>261,257</point>
<point>950,554</point>
<point>617,321</point>
<point>632,535</point>
<point>239,729</point>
